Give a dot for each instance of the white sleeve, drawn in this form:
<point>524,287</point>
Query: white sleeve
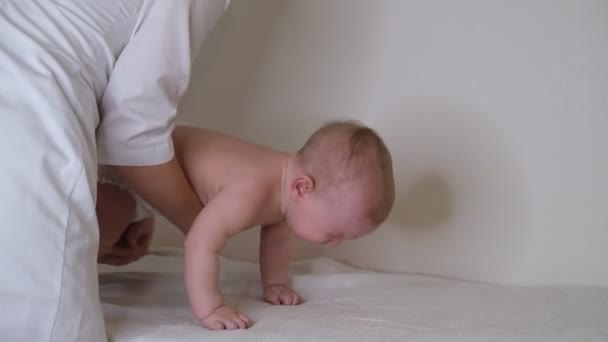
<point>150,76</point>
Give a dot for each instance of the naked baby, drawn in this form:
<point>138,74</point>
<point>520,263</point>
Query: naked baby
<point>338,186</point>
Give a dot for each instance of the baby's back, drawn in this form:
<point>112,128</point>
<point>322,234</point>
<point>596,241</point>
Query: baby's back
<point>213,160</point>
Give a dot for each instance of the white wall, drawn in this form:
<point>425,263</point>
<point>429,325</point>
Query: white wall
<point>224,77</point>
<point>495,113</point>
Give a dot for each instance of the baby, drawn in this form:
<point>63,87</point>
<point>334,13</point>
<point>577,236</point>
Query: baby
<point>338,186</point>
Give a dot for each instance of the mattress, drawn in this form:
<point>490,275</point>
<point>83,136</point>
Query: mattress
<point>146,301</point>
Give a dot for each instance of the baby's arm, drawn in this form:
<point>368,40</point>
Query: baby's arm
<point>276,247</point>
<point>224,216</point>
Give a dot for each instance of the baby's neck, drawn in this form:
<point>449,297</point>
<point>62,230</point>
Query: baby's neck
<point>286,175</point>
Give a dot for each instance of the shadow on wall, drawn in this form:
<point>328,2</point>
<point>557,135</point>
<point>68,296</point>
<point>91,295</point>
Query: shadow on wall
<point>460,208</point>
<point>426,204</point>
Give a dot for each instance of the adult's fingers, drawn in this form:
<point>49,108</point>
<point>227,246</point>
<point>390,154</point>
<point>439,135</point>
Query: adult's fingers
<point>113,260</point>
<point>128,252</point>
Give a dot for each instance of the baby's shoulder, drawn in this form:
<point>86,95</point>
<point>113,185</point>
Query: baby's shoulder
<point>244,202</point>
<point>257,192</point>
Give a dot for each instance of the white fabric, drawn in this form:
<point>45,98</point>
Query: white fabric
<point>147,302</point>
<point>142,208</point>
<point>148,80</point>
<point>55,61</point>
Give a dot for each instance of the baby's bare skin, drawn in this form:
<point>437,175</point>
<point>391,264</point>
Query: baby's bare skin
<point>215,161</point>
<point>339,186</point>
<point>240,186</point>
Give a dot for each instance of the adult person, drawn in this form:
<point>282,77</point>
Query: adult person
<point>71,70</point>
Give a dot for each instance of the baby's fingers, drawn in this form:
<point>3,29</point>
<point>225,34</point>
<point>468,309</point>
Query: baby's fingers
<point>296,299</point>
<point>240,323</point>
<point>273,299</point>
<point>214,325</point>
<point>287,298</point>
<point>230,323</point>
<point>245,319</point>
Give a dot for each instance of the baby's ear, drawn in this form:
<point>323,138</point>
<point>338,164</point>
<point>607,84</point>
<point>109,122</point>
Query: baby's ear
<point>301,186</point>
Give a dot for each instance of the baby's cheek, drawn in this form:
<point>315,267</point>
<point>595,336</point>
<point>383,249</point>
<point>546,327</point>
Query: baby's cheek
<point>321,237</point>
<point>308,234</point>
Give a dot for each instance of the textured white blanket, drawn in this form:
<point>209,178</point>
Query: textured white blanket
<point>147,302</point>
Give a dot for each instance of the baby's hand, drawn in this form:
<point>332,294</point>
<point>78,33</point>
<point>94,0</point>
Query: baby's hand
<point>226,318</point>
<point>281,295</point>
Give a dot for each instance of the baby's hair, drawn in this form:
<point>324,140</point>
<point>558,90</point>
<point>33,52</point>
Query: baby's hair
<point>349,152</point>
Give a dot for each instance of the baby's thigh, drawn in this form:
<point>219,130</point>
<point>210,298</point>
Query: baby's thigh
<point>115,211</point>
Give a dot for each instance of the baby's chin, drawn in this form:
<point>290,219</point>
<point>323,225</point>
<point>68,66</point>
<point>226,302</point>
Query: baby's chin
<point>303,237</point>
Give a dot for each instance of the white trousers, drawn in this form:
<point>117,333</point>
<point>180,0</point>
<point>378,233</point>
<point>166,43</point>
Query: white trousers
<point>48,170</point>
<point>48,233</point>
<point>48,229</point>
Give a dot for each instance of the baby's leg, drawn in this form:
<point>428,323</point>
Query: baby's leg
<point>115,212</point>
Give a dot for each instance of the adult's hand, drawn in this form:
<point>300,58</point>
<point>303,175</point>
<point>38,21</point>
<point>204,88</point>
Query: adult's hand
<point>134,244</point>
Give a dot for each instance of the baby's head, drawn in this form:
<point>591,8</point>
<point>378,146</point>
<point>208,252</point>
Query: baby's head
<point>341,184</point>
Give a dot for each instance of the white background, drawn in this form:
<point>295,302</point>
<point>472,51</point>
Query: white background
<point>496,114</point>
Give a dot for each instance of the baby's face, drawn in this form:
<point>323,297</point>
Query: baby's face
<point>328,221</point>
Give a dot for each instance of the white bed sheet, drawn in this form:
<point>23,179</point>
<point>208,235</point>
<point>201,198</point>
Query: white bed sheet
<point>146,301</point>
